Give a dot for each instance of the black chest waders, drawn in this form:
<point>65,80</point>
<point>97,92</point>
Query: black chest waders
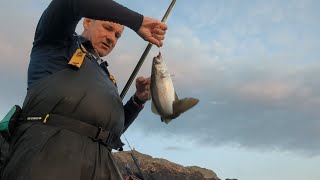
<point>70,122</point>
<point>8,123</point>
<point>96,133</point>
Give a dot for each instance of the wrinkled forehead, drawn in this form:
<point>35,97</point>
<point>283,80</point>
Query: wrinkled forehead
<point>118,27</point>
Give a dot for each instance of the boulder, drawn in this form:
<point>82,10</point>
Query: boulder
<point>159,169</point>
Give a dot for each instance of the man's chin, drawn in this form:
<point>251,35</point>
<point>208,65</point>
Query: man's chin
<point>102,53</point>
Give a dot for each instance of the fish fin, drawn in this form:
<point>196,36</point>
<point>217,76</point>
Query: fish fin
<point>154,109</point>
<point>166,120</point>
<point>183,105</point>
<point>169,118</point>
<point>180,106</point>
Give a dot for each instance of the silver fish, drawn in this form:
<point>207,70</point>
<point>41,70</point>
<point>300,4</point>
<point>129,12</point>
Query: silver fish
<point>165,101</point>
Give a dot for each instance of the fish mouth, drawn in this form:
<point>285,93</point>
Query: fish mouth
<point>158,58</point>
<point>159,55</point>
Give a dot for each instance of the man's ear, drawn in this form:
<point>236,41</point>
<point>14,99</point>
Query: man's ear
<point>86,23</point>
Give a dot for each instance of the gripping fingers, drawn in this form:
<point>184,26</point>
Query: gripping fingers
<point>155,41</point>
<point>159,31</point>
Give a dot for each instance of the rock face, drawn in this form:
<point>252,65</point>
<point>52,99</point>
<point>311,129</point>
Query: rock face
<point>208,174</point>
<point>160,169</point>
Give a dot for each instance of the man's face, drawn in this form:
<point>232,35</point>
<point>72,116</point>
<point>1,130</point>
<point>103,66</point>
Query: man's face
<point>102,34</point>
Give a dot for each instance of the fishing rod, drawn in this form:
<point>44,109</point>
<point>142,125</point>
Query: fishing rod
<point>133,75</point>
<point>144,55</point>
<point>136,161</point>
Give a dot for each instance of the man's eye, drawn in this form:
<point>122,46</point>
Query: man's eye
<point>108,28</point>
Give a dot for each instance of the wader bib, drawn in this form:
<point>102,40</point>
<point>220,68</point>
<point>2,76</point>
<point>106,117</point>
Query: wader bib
<point>40,151</point>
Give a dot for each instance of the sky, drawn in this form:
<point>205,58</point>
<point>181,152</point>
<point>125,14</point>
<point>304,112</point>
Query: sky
<point>252,64</point>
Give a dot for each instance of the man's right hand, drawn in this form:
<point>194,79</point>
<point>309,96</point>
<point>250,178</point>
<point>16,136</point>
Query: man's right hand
<point>152,31</point>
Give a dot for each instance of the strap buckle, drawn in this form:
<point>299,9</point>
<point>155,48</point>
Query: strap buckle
<point>104,136</point>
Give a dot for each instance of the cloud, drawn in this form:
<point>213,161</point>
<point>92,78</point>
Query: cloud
<point>272,91</point>
<point>261,113</point>
<point>256,79</point>
<point>174,148</point>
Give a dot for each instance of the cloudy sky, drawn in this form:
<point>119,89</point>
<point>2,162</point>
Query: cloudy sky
<point>254,65</point>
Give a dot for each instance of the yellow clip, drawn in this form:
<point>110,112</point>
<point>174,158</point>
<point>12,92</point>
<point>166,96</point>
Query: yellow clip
<point>78,57</point>
<point>46,118</point>
<point>113,80</point>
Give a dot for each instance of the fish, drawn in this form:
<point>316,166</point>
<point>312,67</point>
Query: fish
<point>165,101</point>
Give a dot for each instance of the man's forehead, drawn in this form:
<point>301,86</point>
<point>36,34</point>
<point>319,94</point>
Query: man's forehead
<point>115,25</point>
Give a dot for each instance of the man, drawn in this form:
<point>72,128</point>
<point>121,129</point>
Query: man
<point>72,114</point>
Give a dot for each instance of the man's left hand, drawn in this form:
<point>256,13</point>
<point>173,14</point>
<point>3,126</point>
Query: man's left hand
<point>143,88</point>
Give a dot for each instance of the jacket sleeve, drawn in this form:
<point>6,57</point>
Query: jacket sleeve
<point>58,22</point>
<point>131,112</point>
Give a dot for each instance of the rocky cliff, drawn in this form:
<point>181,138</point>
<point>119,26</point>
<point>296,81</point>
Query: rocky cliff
<point>160,169</point>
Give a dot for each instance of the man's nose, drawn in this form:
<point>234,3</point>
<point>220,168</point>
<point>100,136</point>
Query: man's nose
<point>111,40</point>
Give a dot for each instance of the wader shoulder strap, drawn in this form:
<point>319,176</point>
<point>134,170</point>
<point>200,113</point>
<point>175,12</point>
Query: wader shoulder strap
<point>104,66</point>
<point>78,57</point>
